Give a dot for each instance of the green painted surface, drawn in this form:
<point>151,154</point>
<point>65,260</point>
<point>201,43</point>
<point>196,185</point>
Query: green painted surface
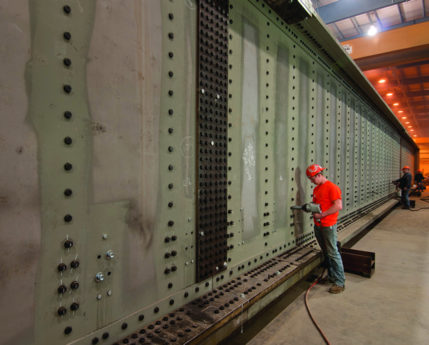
<point>133,106</point>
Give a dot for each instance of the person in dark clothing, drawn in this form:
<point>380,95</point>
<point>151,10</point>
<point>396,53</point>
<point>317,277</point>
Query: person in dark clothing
<point>404,183</point>
<point>418,180</point>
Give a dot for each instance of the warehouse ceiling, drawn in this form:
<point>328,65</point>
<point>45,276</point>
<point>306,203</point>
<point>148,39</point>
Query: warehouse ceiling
<point>395,58</point>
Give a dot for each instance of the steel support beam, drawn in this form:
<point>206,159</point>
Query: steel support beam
<point>344,9</point>
<point>389,41</point>
<point>422,79</point>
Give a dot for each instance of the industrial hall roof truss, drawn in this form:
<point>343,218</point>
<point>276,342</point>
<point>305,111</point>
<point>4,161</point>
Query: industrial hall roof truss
<point>388,40</point>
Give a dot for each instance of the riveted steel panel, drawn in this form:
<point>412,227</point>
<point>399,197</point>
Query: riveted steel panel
<point>107,136</point>
<point>212,138</point>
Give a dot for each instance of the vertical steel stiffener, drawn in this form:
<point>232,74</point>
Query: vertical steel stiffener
<point>212,137</point>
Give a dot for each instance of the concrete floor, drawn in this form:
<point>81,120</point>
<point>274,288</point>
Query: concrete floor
<point>392,307</point>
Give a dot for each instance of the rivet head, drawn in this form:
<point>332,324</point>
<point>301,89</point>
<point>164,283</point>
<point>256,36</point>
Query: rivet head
<point>67,62</point>
<point>74,285</point>
<point>67,88</point>
<point>68,115</point>
<point>68,244</point>
<point>68,166</point>
<point>67,36</point>
<point>109,293</point>
<point>62,311</point>
<point>74,306</point>
<point>99,297</point>
<point>61,267</point>
<point>67,9</point>
<point>75,264</point>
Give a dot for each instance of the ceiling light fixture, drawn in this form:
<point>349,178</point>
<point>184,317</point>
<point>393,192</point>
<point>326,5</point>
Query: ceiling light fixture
<point>411,130</point>
<point>407,122</point>
<point>382,81</point>
<point>389,94</point>
<point>400,111</point>
<point>372,31</point>
<point>403,117</point>
<point>396,104</point>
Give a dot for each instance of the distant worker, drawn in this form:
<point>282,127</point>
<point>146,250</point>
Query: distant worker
<point>328,196</point>
<point>418,180</point>
<point>404,183</point>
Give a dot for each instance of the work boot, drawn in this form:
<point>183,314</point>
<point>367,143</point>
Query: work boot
<point>336,289</point>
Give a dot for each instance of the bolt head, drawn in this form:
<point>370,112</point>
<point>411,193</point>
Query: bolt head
<point>99,277</point>
<point>110,255</point>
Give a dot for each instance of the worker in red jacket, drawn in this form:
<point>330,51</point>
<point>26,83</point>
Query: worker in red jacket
<point>328,196</point>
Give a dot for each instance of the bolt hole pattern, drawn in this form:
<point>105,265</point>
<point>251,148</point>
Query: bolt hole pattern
<point>212,122</point>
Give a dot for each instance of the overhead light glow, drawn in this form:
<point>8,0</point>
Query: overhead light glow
<point>372,31</point>
<point>396,104</point>
<point>400,111</point>
<point>407,122</point>
<point>403,117</point>
<point>389,94</point>
<point>382,81</point>
<point>411,130</point>
<point>410,126</point>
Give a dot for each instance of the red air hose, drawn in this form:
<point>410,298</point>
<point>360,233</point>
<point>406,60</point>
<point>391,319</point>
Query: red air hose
<point>309,312</point>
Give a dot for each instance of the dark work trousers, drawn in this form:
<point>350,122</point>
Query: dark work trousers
<point>404,198</point>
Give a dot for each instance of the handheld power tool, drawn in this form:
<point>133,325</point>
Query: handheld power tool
<point>310,207</point>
